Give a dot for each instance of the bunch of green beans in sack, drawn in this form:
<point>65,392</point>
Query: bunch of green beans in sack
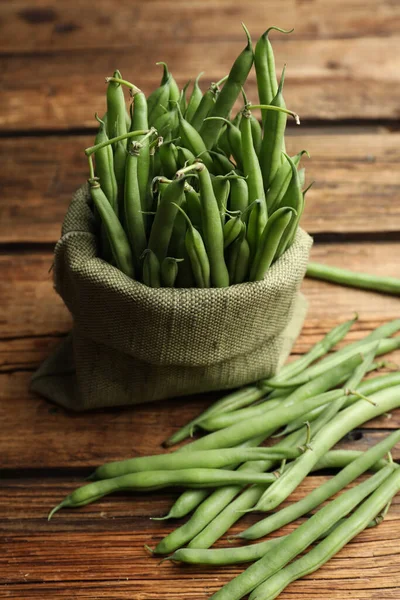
<point>182,258</point>
<point>188,194</point>
<point>313,403</point>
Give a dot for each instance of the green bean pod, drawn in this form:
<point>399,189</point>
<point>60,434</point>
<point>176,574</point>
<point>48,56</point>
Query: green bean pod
<point>264,63</point>
<point>197,255</point>
<point>169,271</point>
<point>193,141</point>
<point>378,283</point>
<point>194,100</point>
<point>168,156</point>
<point>151,269</point>
<point>281,182</point>
<point>185,157</point>
<point>139,120</point>
<point>212,229</point>
<point>256,134</point>
<point>182,98</point>
<point>167,78</point>
<point>116,109</point>
<point>221,186</point>
<point>133,216</point>
<point>168,122</point>
<point>269,242</point>
<point>158,100</point>
<point>251,168</point>
<point>239,197</point>
<point>272,143</point>
<point>207,459</point>
<point>294,199</point>
<point>193,206</point>
<point>204,108</point>
<point>239,258</point>
<point>232,230</point>
<point>229,93</point>
<point>234,139</point>
<point>164,219</point>
<point>221,163</point>
<point>120,247</point>
<point>222,143</point>
<point>105,167</point>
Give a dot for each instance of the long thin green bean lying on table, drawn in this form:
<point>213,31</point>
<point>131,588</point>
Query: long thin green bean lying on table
<point>377,283</point>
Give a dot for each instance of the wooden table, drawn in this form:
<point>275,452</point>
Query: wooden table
<point>343,79</point>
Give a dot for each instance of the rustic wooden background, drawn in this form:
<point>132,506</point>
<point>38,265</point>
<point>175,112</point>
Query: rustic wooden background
<point>343,79</point>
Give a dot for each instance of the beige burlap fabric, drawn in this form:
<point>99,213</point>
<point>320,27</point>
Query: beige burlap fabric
<point>132,344</point>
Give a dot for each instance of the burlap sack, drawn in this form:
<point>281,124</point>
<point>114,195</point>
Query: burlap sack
<point>132,344</point>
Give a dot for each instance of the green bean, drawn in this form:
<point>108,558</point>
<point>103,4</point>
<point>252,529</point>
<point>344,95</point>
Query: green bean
<point>256,134</point>
<point>270,240</point>
<point>205,106</point>
<point>245,396</point>
<point>159,98</point>
<point>341,535</point>
<point>155,480</point>
<point>194,100</point>
<point>139,120</point>
<point>234,139</point>
<point>273,419</point>
<point>182,97</point>
<point>251,169</point>
<point>328,436</point>
<point>168,157</point>
<point>239,196</point>
<point>193,141</point>
<point>281,182</point>
<point>105,167</point>
<point>211,226</point>
<point>239,258</point>
<point>221,186</point>
<point>168,122</point>
<point>222,164</point>
<point>222,143</point>
<point>193,206</point>
<point>240,554</point>
<point>232,229</point>
<point>116,110</point>
<point>274,130</point>
<point>167,78</point>
<point>255,228</point>
<point>120,248</point>
<point>151,269</point>
<point>163,223</point>
<point>206,459</point>
<point>197,254</point>
<point>325,491</point>
<point>92,149</point>
<point>133,217</point>
<point>378,283</point>
<point>293,198</point>
<point>264,63</point>
<point>302,179</point>
<point>226,419</point>
<point>338,459</point>
<point>385,346</point>
<point>185,157</point>
<point>370,386</point>
<point>169,271</point>
<point>297,541</point>
<point>229,93</point>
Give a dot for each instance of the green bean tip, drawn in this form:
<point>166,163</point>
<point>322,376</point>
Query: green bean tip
<point>149,550</point>
<point>55,509</point>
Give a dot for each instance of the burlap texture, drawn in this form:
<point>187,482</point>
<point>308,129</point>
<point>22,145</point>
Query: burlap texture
<point>133,344</point>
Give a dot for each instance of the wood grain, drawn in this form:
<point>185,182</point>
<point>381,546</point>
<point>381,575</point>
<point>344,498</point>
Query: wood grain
<point>350,78</point>
<point>356,190</point>
<point>57,25</point>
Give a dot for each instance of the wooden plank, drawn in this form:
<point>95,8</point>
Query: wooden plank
<point>357,187</point>
<point>350,78</point>
<point>102,546</point>
<point>59,25</point>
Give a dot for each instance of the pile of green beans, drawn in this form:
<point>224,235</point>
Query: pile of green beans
<point>188,194</point>
<point>317,400</point>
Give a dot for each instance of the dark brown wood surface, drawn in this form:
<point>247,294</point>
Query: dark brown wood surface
<point>343,79</point>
